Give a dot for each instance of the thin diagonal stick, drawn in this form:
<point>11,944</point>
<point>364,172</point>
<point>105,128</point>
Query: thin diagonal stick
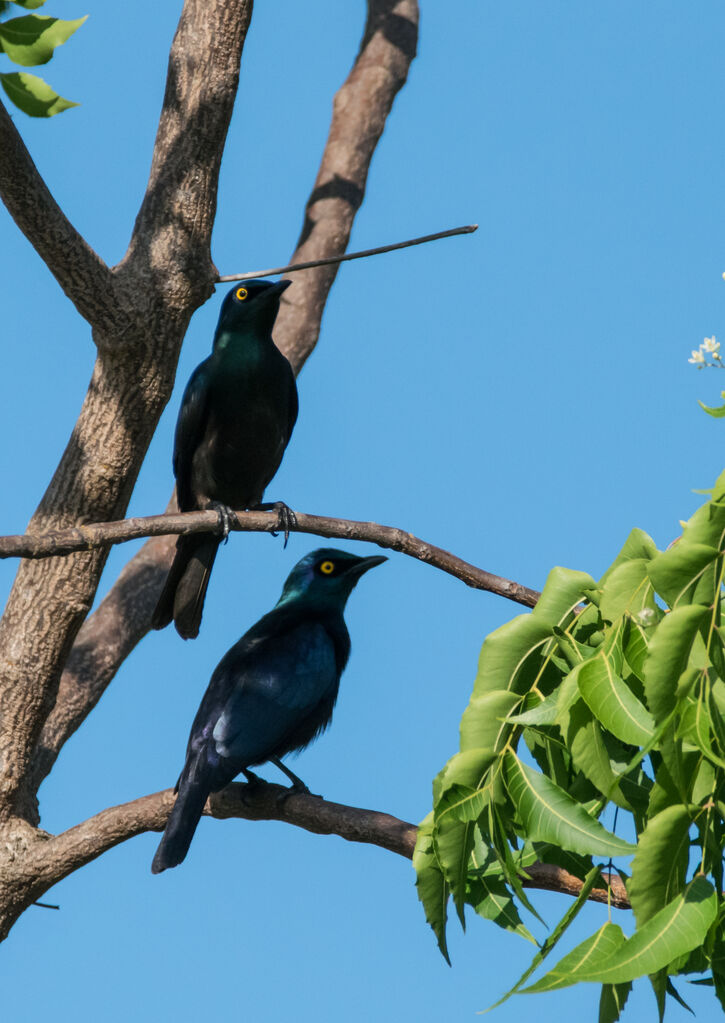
<point>468,229</point>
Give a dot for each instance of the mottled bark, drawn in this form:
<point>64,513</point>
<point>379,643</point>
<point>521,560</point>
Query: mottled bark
<point>104,641</point>
<point>163,278</point>
<point>360,112</point>
<point>81,273</point>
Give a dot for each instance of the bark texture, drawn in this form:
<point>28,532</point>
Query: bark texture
<point>165,275</point>
<point>54,661</point>
<point>359,113</point>
<point>379,71</point>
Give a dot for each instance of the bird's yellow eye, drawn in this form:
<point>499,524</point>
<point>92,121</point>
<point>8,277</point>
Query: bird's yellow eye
<point>241,293</point>
<point>327,567</point>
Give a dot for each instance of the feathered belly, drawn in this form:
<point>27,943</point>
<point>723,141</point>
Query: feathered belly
<point>237,460</point>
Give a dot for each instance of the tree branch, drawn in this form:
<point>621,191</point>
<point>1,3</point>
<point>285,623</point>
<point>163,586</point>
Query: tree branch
<point>165,275</point>
<point>360,110</point>
<point>105,640</point>
<point>99,534</point>
<point>67,852</point>
<point>251,275</point>
<point>81,273</point>
<point>362,106</point>
<point>169,246</point>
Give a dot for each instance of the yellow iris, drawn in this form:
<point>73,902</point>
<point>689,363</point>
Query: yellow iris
<point>241,294</point>
<point>327,567</point>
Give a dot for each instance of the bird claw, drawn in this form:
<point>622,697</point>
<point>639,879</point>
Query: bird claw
<point>225,519</point>
<point>295,790</point>
<point>253,782</point>
<point>286,518</point>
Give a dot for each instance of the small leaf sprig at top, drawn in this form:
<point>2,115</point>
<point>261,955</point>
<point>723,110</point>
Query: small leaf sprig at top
<point>30,40</point>
<point>616,691</point>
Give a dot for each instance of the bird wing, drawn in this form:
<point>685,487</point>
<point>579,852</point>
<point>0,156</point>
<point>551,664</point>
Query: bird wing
<point>294,407</point>
<point>278,685</point>
<point>190,426</point>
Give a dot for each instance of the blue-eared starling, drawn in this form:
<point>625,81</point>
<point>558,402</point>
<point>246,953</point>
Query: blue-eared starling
<point>272,693</point>
<point>235,421</point>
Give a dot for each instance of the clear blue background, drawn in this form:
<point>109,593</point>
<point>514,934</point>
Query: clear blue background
<point>521,397</point>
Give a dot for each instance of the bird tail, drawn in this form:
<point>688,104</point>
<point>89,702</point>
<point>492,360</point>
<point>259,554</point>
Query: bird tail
<point>182,598</point>
<point>185,815</point>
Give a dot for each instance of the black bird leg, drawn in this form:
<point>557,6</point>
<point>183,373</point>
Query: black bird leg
<point>286,518</point>
<point>254,782</point>
<point>225,514</point>
<point>297,784</point>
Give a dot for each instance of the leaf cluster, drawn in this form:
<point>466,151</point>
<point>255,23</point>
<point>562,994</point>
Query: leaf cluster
<point>31,40</point>
<point>605,703</point>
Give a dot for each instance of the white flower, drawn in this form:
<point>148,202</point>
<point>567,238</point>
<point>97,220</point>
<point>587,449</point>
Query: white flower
<point>698,357</point>
<point>710,344</point>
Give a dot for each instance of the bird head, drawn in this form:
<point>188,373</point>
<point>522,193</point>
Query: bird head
<point>251,305</point>
<point>326,576</point>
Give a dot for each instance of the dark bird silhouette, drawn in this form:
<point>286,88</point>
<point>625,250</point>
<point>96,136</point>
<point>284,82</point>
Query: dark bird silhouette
<point>272,693</point>
<point>235,421</point>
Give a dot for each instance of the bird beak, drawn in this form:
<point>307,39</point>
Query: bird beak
<point>361,566</point>
<point>275,292</point>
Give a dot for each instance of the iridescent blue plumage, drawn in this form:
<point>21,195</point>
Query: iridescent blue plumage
<point>272,693</point>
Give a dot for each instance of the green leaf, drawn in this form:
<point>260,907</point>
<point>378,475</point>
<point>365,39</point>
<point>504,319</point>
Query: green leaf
<point>553,939</point>
<point>31,40</point>
<point>453,842</point>
<point>462,802</point>
<point>604,943</point>
<point>568,697</point>
<point>658,982</point>
<point>627,590</point>
<point>492,900</point>
<point>637,545</point>
<point>584,739</point>
<point>675,930</point>
<point>32,95</point>
<point>544,852</point>
<point>431,884</point>
<point>707,525</point>
<point>674,993</point>
<point>29,5</point>
<point>694,727</point>
<point>685,571</point>
<point>544,713</point>
<point>468,768</point>
<point>669,651</point>
<point>716,413</point>
<point>612,1001</point>
<point>511,869</point>
<point>506,661</point>
<point>549,814</point>
<point>660,863</point>
<point>636,646</point>
<point>564,590</point>
<point>483,725</point>
<point>614,703</point>
<point>717,963</point>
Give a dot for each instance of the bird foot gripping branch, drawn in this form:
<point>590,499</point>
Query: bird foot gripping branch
<point>271,694</point>
<point>235,421</point>
<point>286,518</point>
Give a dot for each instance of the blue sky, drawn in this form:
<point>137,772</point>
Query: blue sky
<point>521,397</point>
